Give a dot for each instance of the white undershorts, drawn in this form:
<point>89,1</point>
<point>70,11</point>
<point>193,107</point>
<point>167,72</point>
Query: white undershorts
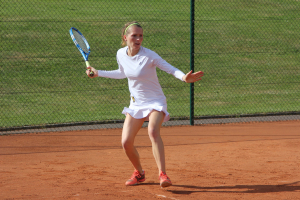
<point>144,112</point>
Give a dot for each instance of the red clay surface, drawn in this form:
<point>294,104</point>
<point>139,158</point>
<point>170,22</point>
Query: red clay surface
<point>232,161</point>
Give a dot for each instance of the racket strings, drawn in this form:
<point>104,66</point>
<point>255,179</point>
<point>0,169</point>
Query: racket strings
<point>79,39</point>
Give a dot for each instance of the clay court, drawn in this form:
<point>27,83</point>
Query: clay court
<point>229,161</point>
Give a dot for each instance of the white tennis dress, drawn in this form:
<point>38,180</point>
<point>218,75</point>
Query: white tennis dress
<point>145,90</point>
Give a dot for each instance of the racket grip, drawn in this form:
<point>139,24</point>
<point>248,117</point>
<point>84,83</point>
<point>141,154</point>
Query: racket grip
<point>88,65</point>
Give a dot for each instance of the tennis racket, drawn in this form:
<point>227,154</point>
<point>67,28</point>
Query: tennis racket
<point>82,45</point>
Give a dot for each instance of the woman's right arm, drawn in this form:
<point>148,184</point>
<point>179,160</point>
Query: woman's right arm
<point>114,74</point>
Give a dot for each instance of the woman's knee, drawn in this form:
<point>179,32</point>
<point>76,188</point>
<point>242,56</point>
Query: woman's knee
<point>155,121</point>
<point>153,133</point>
<point>127,144</point>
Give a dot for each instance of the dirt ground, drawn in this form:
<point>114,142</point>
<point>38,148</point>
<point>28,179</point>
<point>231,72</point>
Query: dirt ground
<point>230,161</point>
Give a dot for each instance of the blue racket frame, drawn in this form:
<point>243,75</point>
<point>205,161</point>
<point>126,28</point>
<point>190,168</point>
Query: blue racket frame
<point>84,54</point>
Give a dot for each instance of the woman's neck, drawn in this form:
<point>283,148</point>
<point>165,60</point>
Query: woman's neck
<point>131,52</point>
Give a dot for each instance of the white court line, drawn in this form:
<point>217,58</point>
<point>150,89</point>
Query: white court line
<point>166,196</point>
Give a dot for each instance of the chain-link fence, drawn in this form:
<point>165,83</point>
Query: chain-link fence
<point>248,50</point>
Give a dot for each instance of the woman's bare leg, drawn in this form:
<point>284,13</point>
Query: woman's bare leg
<point>130,129</point>
<point>155,121</point>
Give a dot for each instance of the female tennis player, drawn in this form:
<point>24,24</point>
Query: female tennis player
<point>148,102</point>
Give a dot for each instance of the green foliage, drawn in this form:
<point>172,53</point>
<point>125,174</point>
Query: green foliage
<point>248,50</point>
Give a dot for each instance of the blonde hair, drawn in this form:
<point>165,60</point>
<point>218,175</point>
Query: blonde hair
<point>125,30</point>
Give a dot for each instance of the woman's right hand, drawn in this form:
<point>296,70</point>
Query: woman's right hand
<point>91,69</point>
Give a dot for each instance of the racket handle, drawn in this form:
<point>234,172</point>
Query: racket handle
<point>88,65</point>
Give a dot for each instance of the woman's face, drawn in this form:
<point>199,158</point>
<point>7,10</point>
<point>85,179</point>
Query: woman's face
<point>134,38</point>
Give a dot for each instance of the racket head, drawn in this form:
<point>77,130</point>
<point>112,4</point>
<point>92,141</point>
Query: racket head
<point>80,42</point>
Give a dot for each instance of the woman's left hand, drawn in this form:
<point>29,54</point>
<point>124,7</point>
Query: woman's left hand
<point>192,77</point>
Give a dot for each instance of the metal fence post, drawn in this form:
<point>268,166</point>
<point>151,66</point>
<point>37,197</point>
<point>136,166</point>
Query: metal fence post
<point>192,60</point>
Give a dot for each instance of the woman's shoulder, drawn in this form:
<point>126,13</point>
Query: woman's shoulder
<point>122,51</point>
<point>149,52</point>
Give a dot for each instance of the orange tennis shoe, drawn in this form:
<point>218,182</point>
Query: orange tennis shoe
<point>136,178</point>
<point>164,180</point>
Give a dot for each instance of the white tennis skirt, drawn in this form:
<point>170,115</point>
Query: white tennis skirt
<point>144,112</point>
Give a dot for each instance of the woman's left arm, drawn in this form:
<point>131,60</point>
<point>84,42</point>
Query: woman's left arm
<point>190,77</point>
